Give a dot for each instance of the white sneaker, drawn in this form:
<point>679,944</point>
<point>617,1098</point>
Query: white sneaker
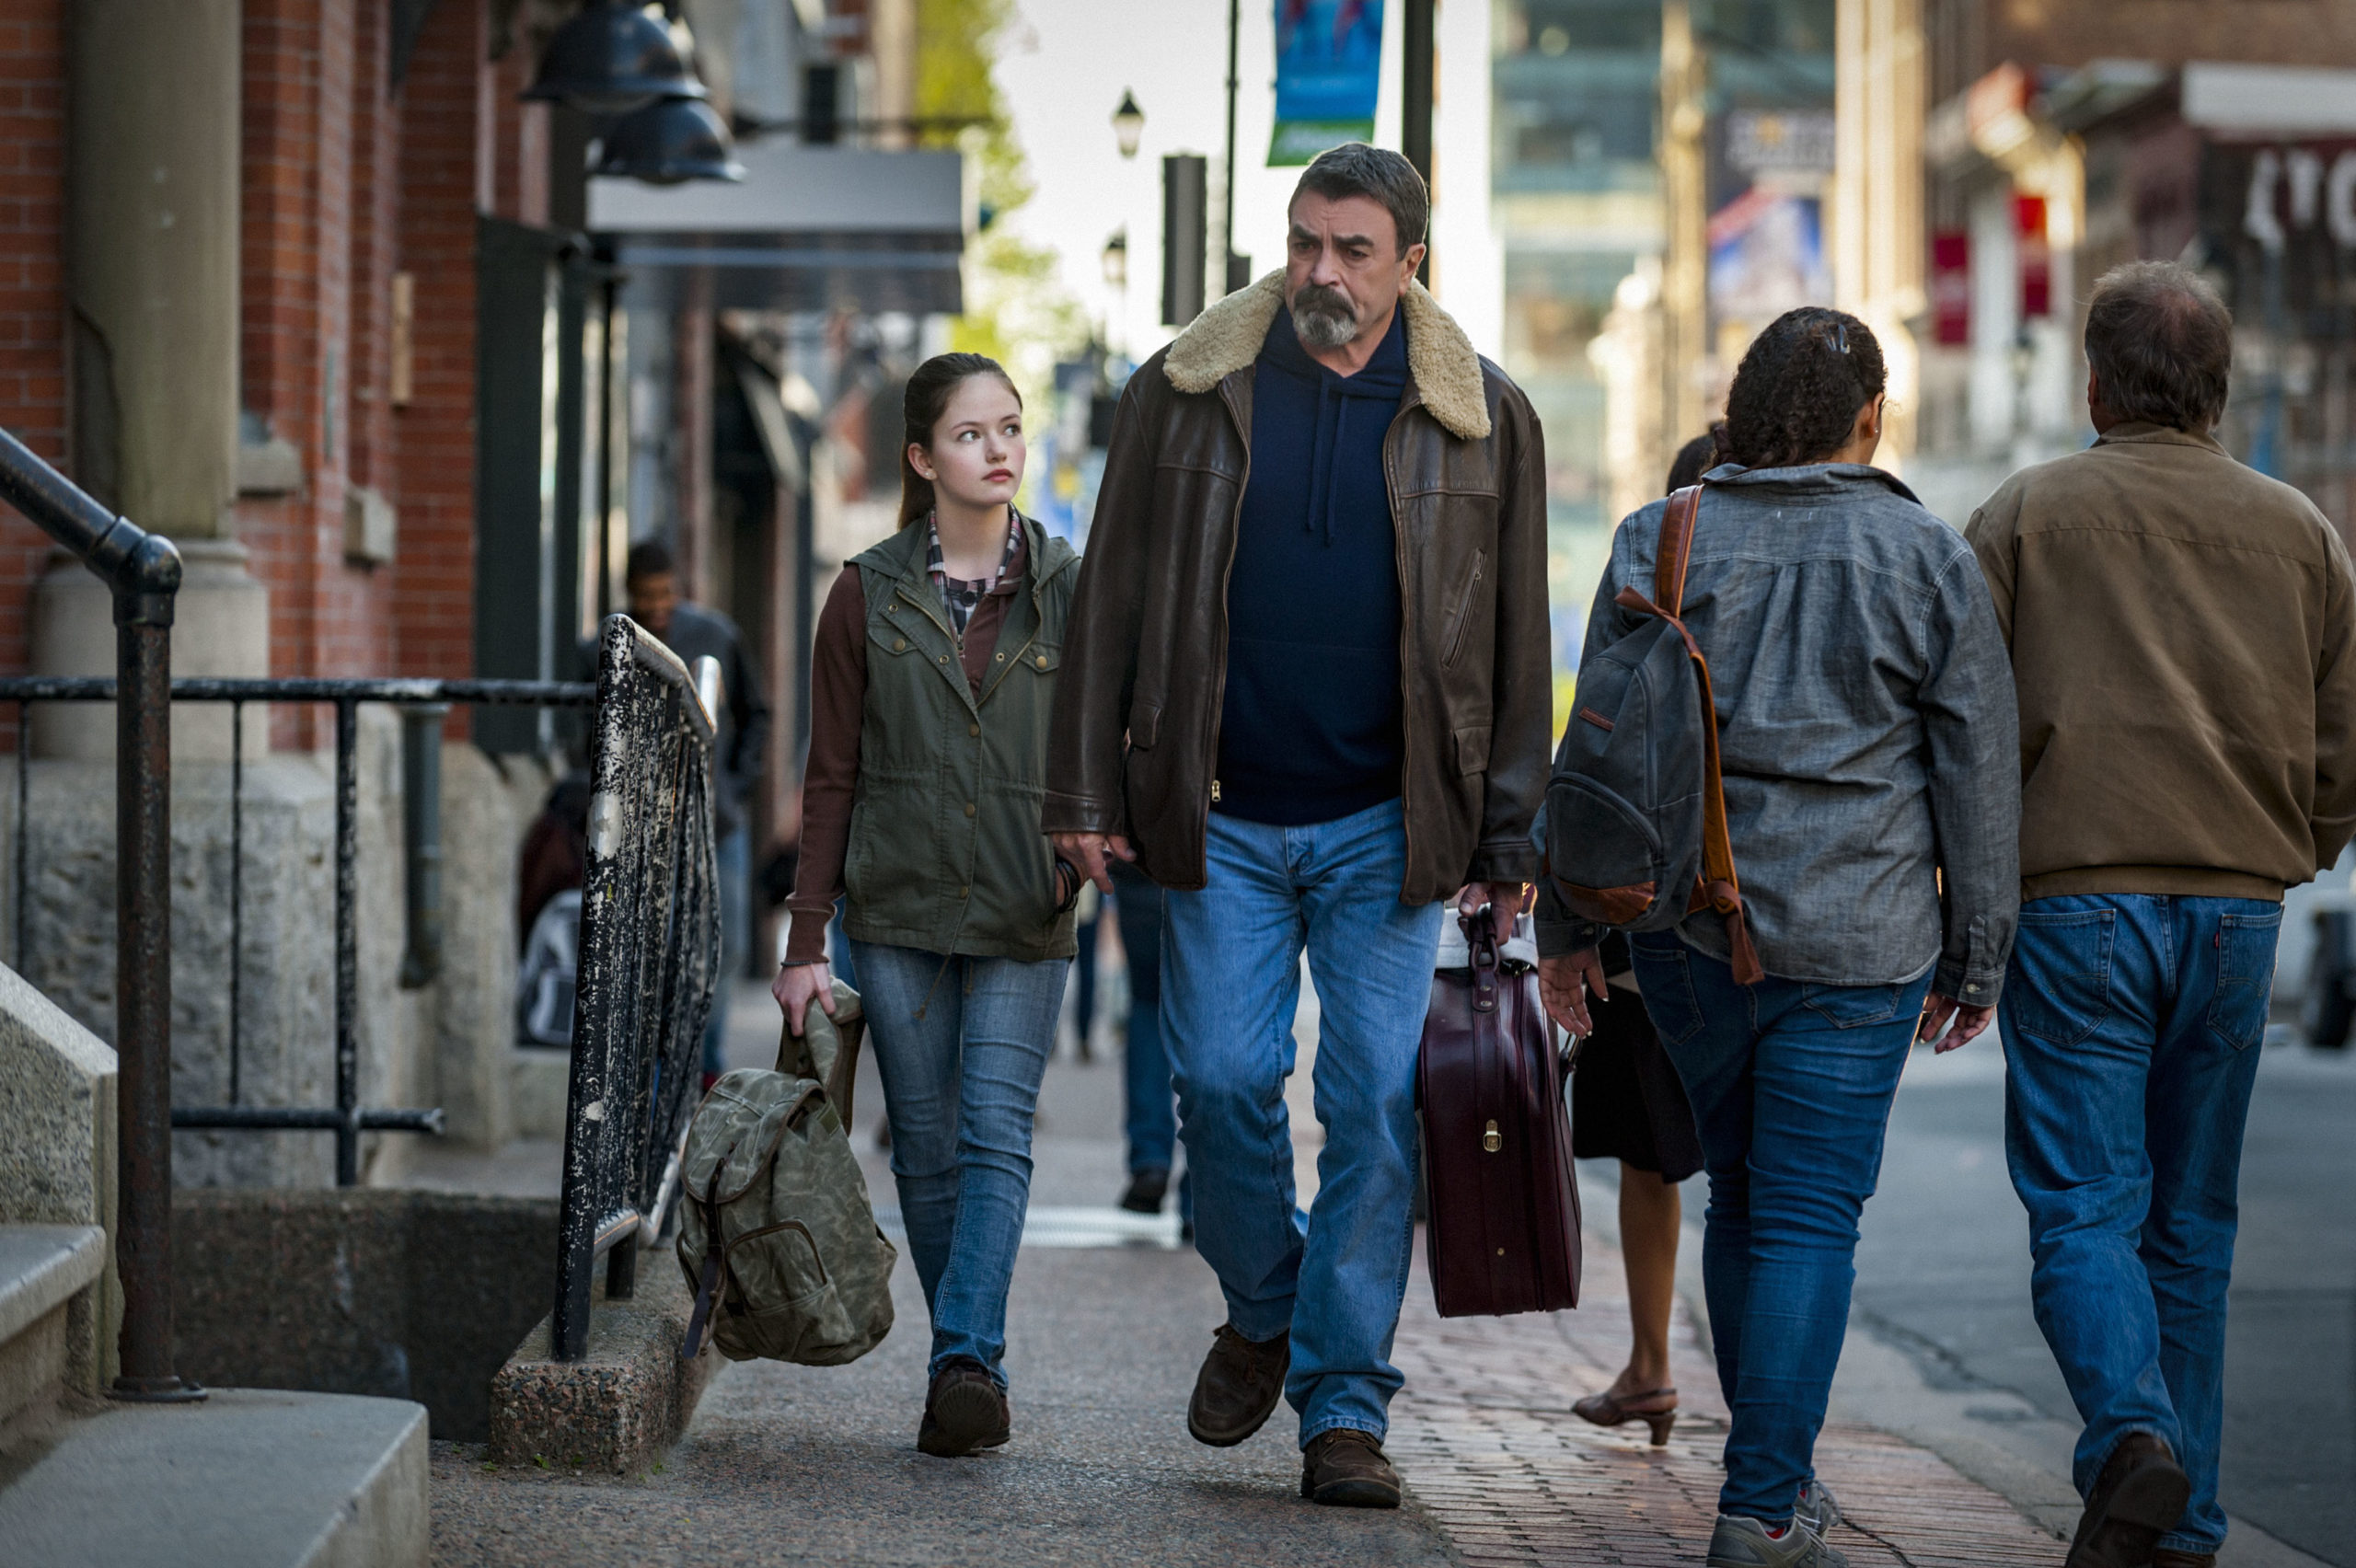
<point>1745,1543</point>
<point>1818,1508</point>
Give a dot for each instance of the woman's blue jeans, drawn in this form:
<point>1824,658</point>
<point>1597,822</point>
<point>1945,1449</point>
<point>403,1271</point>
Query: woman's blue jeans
<point>962,1045</point>
<point>1792,1084</point>
<point>2133,1024</point>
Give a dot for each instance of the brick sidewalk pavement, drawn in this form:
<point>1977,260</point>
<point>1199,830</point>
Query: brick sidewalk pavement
<point>1484,1436</point>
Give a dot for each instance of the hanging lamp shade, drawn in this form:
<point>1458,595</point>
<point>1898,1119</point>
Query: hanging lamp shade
<point>671,141</point>
<point>612,59</point>
<point>1128,123</point>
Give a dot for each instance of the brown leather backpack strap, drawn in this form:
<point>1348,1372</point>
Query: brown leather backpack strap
<point>1723,889</point>
<point>1676,547</point>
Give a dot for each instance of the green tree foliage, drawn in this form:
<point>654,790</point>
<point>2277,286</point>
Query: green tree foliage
<point>1017,310</point>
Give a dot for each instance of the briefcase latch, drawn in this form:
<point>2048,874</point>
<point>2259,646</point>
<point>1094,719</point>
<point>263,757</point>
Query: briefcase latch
<point>1492,1140</point>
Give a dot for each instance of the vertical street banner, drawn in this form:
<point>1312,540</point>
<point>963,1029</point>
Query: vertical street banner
<point>1329,70</point>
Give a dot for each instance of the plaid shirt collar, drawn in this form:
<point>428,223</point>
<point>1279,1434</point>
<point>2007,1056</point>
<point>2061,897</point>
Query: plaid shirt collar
<point>960,598</point>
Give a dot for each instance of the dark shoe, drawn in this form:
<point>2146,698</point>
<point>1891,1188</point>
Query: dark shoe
<point>1147,1187</point>
<point>1238,1388</point>
<point>1344,1469</point>
<point>2169,1556</point>
<point>2136,1499</point>
<point>965,1411</point>
<point>1604,1410</point>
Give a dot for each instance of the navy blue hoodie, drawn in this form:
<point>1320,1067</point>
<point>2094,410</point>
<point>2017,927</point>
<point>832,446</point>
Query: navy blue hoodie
<point>1311,730</point>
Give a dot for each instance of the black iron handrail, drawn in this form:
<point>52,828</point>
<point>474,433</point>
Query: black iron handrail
<point>348,1119</point>
<point>143,570</point>
<point>648,959</point>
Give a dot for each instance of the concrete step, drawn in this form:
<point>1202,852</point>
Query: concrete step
<point>42,1268</point>
<point>249,1477</point>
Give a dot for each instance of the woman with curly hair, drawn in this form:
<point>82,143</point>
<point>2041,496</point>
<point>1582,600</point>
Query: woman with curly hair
<point>1870,755</point>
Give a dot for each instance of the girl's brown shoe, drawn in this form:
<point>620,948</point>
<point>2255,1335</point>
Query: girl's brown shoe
<point>964,1411</point>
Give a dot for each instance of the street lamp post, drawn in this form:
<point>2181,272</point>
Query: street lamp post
<point>1116,278</point>
<point>1128,123</point>
<point>1129,130</point>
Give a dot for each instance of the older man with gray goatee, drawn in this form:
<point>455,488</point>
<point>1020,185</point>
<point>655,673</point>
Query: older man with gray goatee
<point>2183,641</point>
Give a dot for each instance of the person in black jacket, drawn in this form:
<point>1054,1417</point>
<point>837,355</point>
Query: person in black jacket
<point>694,632</point>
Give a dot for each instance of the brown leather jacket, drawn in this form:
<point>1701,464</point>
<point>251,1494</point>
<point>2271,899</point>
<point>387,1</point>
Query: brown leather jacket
<point>1135,736</point>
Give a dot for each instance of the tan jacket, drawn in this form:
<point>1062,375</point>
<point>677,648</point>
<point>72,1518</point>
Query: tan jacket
<point>2183,631</point>
<point>1136,729</point>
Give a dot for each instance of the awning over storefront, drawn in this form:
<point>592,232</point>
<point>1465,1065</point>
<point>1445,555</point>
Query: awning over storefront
<point>810,228</point>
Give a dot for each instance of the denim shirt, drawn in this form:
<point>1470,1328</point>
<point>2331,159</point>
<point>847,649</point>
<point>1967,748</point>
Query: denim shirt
<point>1867,728</point>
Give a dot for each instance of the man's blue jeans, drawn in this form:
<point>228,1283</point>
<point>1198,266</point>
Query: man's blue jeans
<point>1230,980</point>
<point>1791,1084</point>
<point>961,1043</point>
<point>2131,1026</point>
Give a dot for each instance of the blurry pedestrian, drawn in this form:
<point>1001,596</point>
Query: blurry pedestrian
<point>1088,931</point>
<point>1867,735</point>
<point>694,632</point>
<point>1150,1125</point>
<point>930,681</point>
<point>1311,704</point>
<point>1626,1104</point>
<point>2182,634</point>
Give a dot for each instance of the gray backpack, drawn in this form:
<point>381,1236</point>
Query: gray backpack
<point>775,1235</point>
<point>1634,832</point>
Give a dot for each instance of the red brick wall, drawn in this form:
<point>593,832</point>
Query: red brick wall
<point>301,92</point>
<point>443,163</point>
<point>33,286</point>
<point>376,213</point>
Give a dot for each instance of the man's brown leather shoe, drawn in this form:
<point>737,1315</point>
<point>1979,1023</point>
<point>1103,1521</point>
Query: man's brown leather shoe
<point>1238,1388</point>
<point>2169,1556</point>
<point>1344,1469</point>
<point>2136,1499</point>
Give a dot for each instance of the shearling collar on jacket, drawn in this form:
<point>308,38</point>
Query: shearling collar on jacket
<point>1440,360</point>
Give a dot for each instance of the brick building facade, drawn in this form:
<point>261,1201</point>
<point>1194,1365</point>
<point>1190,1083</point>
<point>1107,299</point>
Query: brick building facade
<point>368,151</point>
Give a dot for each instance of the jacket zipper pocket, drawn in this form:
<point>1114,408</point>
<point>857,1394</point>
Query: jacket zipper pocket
<point>1464,611</point>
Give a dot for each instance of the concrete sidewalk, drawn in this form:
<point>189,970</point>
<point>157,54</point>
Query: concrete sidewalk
<point>789,1465</point>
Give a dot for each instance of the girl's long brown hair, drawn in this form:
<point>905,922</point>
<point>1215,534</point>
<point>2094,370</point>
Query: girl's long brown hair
<point>920,411</point>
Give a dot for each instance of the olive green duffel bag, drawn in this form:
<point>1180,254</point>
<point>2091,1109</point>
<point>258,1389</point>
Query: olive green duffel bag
<point>776,1234</point>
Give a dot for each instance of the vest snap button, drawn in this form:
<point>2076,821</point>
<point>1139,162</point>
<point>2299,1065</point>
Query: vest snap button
<point>964,893</point>
<point>1001,658</point>
<point>973,728</point>
<point>899,644</point>
<point>1043,661</point>
<point>969,808</point>
<point>943,658</point>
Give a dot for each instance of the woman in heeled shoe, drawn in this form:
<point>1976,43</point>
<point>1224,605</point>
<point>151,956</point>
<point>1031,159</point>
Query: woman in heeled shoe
<point>1626,1104</point>
<point>931,678</point>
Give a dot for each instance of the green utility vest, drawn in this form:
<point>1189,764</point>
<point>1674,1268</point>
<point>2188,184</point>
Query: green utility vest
<point>945,851</point>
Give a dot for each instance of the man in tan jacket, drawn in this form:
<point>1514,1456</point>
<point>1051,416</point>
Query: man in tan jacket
<point>2183,633</point>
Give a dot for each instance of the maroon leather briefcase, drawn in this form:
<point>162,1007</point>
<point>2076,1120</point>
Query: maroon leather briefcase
<point>1504,1229</point>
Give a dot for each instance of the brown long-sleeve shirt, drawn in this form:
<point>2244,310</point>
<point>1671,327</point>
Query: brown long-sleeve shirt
<point>837,707</point>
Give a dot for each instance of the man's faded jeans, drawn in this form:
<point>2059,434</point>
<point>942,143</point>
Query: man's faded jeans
<point>960,1044</point>
<point>1231,980</point>
<point>2131,1026</point>
<point>1791,1084</point>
